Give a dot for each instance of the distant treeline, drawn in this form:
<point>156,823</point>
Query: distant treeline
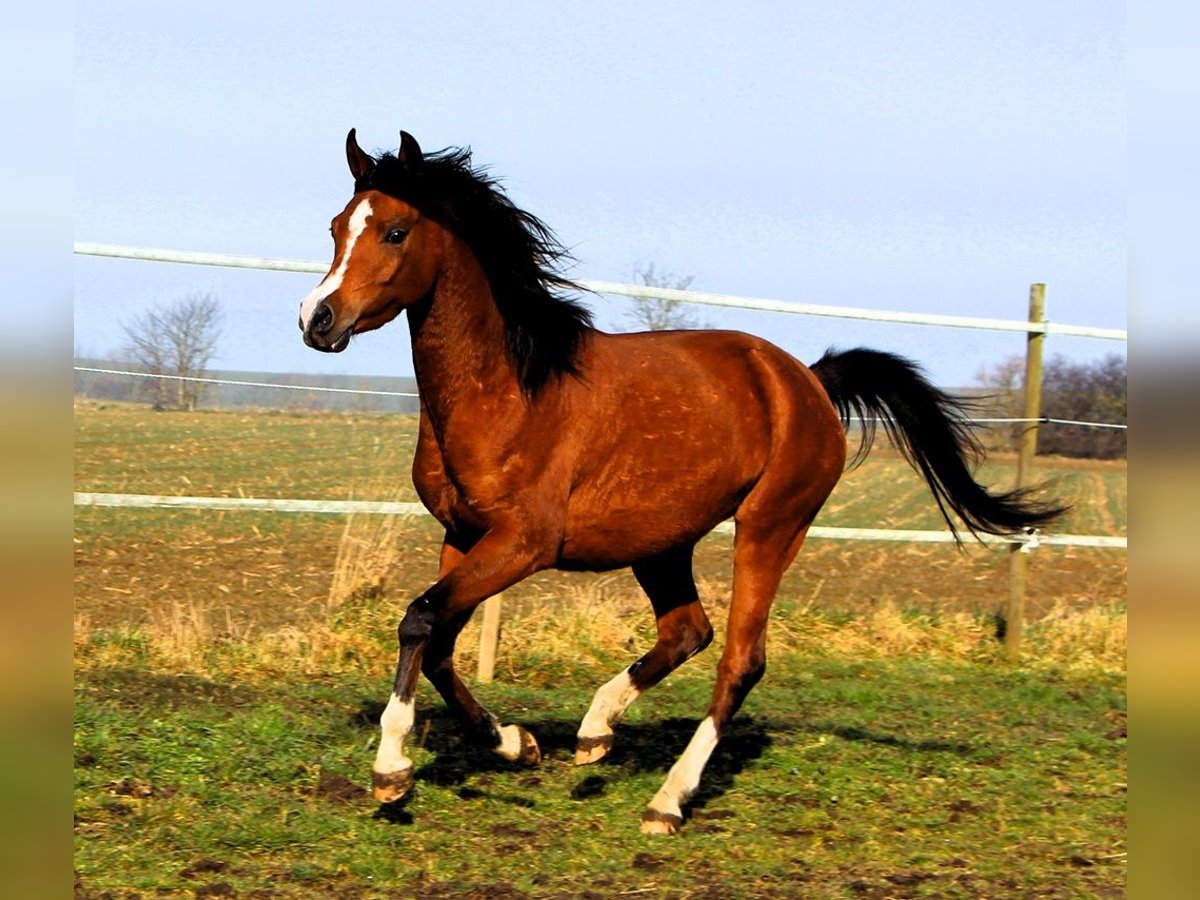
<point>135,389</point>
<point>1094,391</point>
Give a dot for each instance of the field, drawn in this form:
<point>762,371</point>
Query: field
<point>230,668</point>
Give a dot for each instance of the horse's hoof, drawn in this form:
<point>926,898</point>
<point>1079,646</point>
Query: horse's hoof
<point>592,749</point>
<point>519,746</point>
<point>531,753</point>
<point>655,822</point>
<point>390,787</point>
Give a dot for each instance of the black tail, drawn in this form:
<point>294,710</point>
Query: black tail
<point>930,428</point>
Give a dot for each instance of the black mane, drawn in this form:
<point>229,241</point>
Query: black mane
<point>519,255</point>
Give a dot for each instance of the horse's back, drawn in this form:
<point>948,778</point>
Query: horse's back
<point>708,384</point>
<point>672,430</point>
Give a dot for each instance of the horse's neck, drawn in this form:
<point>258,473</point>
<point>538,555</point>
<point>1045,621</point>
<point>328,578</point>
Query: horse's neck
<point>458,343</point>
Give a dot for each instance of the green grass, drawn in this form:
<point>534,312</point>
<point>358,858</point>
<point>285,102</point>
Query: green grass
<point>840,778</point>
<point>133,449</point>
<point>886,754</point>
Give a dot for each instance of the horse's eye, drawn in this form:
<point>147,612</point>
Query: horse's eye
<point>395,236</point>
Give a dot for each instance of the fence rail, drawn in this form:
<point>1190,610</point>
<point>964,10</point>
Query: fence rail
<point>227,260</point>
<point>1036,329</point>
<point>398,508</point>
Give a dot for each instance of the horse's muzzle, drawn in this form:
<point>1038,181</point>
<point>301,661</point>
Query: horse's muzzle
<point>320,334</point>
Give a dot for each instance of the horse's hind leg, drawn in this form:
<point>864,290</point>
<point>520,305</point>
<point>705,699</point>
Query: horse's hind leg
<point>683,631</point>
<point>760,558</point>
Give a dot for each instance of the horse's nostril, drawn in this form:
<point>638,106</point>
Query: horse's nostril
<point>322,320</point>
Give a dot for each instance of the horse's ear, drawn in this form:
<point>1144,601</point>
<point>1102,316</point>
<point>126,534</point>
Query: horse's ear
<point>360,161</point>
<point>410,150</point>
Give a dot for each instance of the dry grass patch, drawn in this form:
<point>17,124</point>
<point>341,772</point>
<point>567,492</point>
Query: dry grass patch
<point>591,636</point>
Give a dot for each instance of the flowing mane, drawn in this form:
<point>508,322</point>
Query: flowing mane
<point>519,255</point>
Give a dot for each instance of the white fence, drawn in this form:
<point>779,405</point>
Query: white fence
<point>1021,544</point>
<point>189,257</point>
<point>396,508</point>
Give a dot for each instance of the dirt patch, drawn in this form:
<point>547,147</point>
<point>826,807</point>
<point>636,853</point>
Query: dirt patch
<point>1119,721</point>
<point>506,830</point>
<point>204,866</point>
<point>647,862</point>
<point>139,789</point>
<point>907,879</point>
<point>226,575</point>
<point>339,788</point>
<point>448,890</point>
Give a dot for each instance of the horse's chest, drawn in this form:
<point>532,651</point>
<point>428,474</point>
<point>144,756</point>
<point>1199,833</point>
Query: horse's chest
<point>456,493</point>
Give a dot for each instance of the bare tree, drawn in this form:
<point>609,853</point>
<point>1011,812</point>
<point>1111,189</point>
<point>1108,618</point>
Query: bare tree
<point>1085,392</point>
<point>657,314</point>
<point>1002,398</point>
<point>175,339</point>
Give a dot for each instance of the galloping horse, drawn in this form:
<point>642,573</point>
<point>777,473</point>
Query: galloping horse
<point>545,443</point>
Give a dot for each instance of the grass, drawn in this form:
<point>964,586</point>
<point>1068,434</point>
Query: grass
<point>230,668</point>
<point>841,778</point>
<point>131,448</point>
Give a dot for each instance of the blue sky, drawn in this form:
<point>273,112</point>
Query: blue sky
<point>929,156</point>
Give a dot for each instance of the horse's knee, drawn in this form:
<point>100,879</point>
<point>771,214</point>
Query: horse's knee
<point>748,670</point>
<point>754,674</point>
<point>691,633</point>
<point>417,624</point>
<point>735,679</point>
<point>692,639</point>
<point>433,665</point>
<point>702,636</point>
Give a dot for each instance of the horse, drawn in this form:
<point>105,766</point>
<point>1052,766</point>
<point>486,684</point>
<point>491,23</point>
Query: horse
<point>544,442</point>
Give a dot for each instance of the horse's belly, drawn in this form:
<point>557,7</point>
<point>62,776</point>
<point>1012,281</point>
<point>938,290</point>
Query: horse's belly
<point>600,538</point>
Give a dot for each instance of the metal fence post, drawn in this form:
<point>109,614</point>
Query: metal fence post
<point>1018,572</point>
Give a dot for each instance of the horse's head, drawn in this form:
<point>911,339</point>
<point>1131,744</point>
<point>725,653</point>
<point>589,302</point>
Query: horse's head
<point>386,257</point>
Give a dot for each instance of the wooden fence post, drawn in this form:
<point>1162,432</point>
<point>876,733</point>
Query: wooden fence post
<point>489,640</point>
<point>1018,572</point>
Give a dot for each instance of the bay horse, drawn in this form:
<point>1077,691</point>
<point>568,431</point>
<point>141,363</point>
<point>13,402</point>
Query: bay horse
<point>546,443</point>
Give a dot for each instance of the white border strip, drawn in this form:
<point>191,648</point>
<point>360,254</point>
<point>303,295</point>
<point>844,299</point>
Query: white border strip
<point>196,258</point>
<point>343,507</point>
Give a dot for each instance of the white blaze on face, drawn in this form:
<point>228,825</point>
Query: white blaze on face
<point>332,281</point>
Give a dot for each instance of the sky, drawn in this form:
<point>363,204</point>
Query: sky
<point>928,156</point>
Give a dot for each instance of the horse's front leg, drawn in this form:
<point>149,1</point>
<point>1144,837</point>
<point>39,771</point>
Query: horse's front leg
<point>482,728</point>
<point>500,559</point>
<point>510,741</point>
